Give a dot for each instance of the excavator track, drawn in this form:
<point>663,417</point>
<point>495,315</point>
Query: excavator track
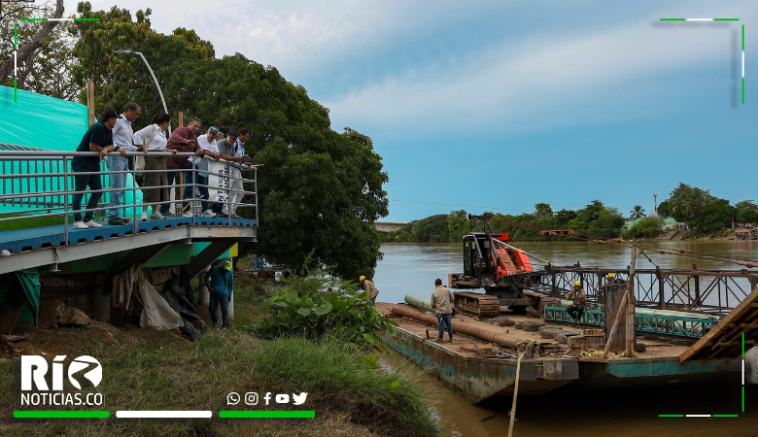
<point>477,304</point>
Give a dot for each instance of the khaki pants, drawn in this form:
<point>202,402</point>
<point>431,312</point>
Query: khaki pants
<point>235,184</point>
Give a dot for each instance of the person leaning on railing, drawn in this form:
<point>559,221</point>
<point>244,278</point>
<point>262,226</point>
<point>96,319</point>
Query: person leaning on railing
<point>122,140</point>
<point>209,146</point>
<point>153,138</point>
<point>98,138</point>
<point>183,139</point>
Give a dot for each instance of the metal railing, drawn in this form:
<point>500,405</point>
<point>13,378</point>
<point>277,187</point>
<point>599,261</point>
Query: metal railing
<point>36,183</point>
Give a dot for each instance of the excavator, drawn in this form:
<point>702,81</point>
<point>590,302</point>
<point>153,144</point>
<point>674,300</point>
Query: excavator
<point>501,269</point>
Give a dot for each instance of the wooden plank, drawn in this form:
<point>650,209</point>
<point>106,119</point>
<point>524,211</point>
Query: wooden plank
<point>742,313</point>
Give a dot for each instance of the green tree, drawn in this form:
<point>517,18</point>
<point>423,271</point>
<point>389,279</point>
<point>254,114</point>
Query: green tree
<point>646,228</point>
<point>543,212</point>
<point>637,212</point>
<point>319,191</point>
<point>701,211</point>
<point>44,55</point>
<point>747,212</point>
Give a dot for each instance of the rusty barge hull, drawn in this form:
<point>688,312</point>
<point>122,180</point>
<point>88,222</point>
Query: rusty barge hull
<point>479,378</point>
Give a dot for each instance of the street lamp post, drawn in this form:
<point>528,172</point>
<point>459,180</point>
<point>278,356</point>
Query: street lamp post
<point>131,52</point>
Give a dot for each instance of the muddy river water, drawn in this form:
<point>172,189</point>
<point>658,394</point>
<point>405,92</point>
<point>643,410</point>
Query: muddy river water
<point>412,269</point>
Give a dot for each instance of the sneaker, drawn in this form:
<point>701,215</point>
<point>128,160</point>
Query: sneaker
<point>80,225</point>
<point>143,217</point>
<point>116,221</point>
<point>453,341</point>
<point>157,216</point>
<point>208,213</point>
<point>188,214</point>
<point>93,224</point>
<point>125,220</point>
<point>235,216</point>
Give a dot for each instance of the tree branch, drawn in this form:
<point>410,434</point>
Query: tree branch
<point>29,49</point>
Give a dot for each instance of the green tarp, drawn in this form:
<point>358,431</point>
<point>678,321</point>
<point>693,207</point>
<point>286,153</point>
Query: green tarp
<point>46,123</point>
<point>29,280</point>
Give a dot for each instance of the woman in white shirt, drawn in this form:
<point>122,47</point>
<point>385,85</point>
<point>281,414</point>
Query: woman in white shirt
<point>153,138</point>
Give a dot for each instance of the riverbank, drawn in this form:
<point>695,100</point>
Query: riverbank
<point>145,369</point>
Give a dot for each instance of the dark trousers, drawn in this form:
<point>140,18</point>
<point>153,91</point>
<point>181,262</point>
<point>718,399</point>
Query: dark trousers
<point>202,186</point>
<point>446,319</point>
<point>216,300</point>
<point>80,184</point>
<point>575,311</point>
<point>188,193</point>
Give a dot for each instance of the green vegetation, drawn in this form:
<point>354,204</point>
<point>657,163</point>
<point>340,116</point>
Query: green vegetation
<point>144,369</point>
<point>648,227</point>
<point>704,213</point>
<point>319,190</point>
<point>302,307</point>
<point>594,220</point>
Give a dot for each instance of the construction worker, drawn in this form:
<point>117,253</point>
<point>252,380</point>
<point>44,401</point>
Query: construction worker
<point>612,279</point>
<point>576,310</point>
<point>370,287</point>
<point>442,304</point>
<point>220,282</point>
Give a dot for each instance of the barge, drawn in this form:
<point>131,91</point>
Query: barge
<point>481,372</point>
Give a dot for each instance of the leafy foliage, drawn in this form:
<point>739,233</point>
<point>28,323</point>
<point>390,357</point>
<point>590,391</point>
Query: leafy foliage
<point>637,212</point>
<point>646,228</point>
<point>319,190</point>
<point>304,308</point>
<point>747,212</point>
<point>701,211</point>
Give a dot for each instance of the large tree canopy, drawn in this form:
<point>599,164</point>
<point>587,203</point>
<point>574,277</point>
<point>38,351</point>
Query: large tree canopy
<point>319,190</point>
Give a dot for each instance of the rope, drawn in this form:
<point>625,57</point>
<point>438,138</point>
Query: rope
<point>515,395</point>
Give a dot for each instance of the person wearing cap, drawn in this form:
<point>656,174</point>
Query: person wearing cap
<point>122,140</point>
<point>209,147</point>
<point>442,304</point>
<point>370,287</point>
<point>220,283</point>
<point>98,138</point>
<point>612,279</point>
<point>228,149</point>
<point>183,140</point>
<point>576,310</point>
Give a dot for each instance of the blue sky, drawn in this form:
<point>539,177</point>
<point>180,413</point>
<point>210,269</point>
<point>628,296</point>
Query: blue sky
<point>505,104</point>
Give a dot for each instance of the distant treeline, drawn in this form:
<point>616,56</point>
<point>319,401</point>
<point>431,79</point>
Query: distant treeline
<point>703,213</point>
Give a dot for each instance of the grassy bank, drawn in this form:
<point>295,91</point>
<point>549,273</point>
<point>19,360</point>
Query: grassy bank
<point>157,370</point>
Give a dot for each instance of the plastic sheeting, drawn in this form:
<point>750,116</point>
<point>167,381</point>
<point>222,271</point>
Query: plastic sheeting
<point>51,124</point>
<point>41,121</point>
<point>157,313</point>
<point>30,285</point>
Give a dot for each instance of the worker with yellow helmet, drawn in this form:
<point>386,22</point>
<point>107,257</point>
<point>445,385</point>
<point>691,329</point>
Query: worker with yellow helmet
<point>612,279</point>
<point>370,287</point>
<point>576,309</point>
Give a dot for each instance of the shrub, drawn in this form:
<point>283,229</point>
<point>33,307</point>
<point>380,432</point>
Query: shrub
<point>303,307</point>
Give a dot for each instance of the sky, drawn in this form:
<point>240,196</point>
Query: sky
<point>499,105</point>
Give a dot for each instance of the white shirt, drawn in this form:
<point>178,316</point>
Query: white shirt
<point>212,146</point>
<point>159,141</point>
<point>123,134</point>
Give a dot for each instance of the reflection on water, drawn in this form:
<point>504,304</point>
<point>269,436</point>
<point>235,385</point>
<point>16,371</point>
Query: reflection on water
<point>412,269</point>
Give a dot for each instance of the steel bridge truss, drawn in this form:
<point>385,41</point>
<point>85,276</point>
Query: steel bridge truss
<point>705,291</point>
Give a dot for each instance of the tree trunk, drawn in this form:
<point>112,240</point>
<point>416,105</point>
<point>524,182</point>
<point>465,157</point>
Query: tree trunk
<point>28,51</point>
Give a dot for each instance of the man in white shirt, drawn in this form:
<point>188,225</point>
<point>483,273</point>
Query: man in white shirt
<point>209,146</point>
<point>122,140</point>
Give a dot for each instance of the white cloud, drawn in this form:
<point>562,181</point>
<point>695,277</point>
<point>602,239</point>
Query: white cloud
<point>512,81</point>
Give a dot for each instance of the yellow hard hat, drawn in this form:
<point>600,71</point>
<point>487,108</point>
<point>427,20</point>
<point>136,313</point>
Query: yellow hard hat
<point>611,275</point>
<point>578,284</point>
<point>362,278</point>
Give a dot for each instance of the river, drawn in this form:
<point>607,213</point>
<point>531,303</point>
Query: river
<point>412,269</point>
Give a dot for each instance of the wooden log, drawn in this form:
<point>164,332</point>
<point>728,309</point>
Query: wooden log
<point>90,103</point>
<point>486,335</point>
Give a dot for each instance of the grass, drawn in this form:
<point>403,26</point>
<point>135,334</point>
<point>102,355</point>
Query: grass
<point>145,369</point>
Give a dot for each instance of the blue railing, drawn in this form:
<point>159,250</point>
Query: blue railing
<point>36,183</point>
<point>682,326</point>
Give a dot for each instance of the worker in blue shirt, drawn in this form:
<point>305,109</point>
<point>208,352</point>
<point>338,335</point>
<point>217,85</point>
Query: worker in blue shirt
<point>220,282</point>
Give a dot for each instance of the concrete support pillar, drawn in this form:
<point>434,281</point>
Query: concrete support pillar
<point>205,295</point>
<point>100,304</point>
